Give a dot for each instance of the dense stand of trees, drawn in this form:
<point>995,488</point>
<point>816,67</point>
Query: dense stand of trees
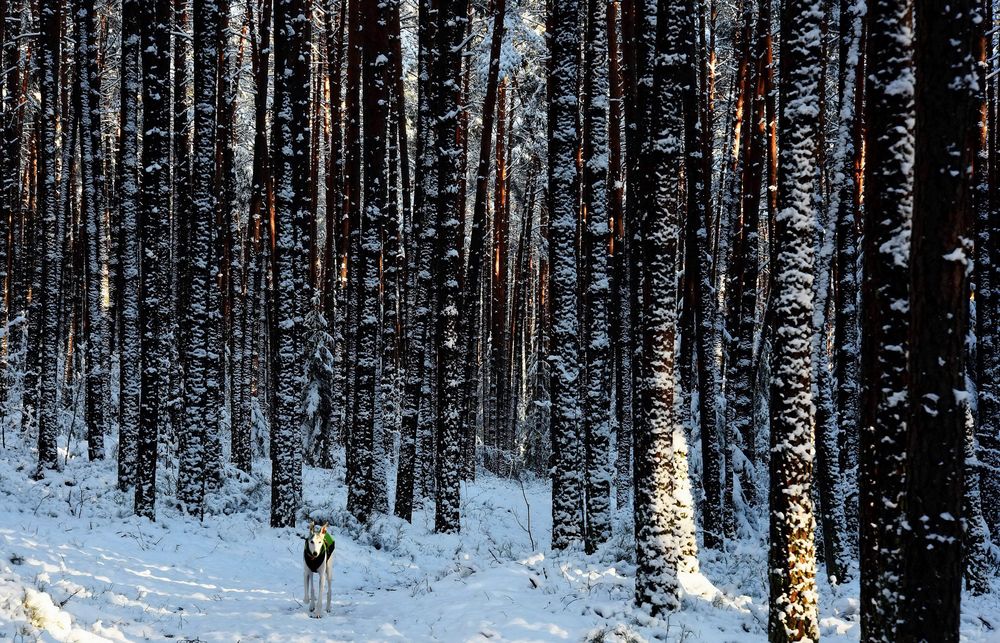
<point>726,268</point>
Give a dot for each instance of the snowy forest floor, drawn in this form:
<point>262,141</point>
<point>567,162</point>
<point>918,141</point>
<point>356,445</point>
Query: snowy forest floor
<point>75,565</point>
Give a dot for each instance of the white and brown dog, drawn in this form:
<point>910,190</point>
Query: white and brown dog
<point>318,557</point>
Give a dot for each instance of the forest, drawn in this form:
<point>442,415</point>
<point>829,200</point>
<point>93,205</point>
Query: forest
<point>711,285</point>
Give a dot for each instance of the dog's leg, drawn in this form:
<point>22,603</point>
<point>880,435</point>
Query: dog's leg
<point>329,582</point>
<point>319,594</point>
<point>328,572</point>
<point>307,582</point>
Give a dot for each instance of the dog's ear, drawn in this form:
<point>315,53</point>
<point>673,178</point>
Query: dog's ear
<point>323,530</point>
<point>312,526</point>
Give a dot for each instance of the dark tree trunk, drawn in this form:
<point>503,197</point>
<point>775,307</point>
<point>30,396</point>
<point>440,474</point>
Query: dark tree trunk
<point>563,37</point>
<point>596,429</point>
<point>944,144</point>
<point>201,415</point>
<point>128,245</point>
<point>98,360</point>
<point>450,213</point>
<point>154,239</point>
<point>702,298</point>
<point>885,296</point>
<point>418,347</point>
<point>290,222</point>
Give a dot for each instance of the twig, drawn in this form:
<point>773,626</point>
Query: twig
<point>524,494</point>
<point>63,602</point>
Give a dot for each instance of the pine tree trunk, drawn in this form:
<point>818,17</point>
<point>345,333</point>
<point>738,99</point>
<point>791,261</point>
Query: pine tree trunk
<point>885,295</point>
<point>260,214</point>
<point>129,352</point>
<point>425,195</point>
<point>201,415</point>
<point>845,193</point>
<point>792,556</point>
<point>658,472</point>
<point>98,361</point>
<point>987,276</point>
<point>450,214</point>
<point>154,238</point>
<point>290,221</point>
<point>473,303</point>
<point>701,297</point>
<point>596,427</point>
<point>944,144</point>
<point>568,490</point>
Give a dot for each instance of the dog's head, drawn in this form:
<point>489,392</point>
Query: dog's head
<point>314,541</point>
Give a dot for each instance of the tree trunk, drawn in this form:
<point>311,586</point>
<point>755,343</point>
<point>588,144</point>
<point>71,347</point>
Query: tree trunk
<point>450,212</point>
<point>154,239</point>
<point>885,296</point>
<point>290,221</point>
<point>944,144</point>
<point>563,38</point>
<point>792,556</point>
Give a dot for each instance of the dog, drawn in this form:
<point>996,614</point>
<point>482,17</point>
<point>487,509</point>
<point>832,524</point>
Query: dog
<point>318,559</point>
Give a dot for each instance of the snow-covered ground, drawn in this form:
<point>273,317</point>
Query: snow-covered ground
<point>76,566</point>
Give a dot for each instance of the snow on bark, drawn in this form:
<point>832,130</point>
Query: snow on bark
<point>129,351</point>
<point>793,614</point>
<point>450,213</point>
<point>844,206</point>
<point>363,499</point>
<point>596,235</point>
<point>290,264</point>
<point>660,455</point>
<point>98,361</point>
<point>945,98</point>
<point>47,326</point>
<point>419,346</point>
<point>201,414</point>
<point>154,240</point>
<point>885,300</point>
<point>563,37</point>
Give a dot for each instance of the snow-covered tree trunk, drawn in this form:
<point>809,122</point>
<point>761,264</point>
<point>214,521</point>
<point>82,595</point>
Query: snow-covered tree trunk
<point>619,313</point>
<point>793,614</point>
<point>740,255</point>
<point>563,36</point>
<point>290,221</point>
<point>47,312</point>
<point>352,224</point>
<point>201,415</point>
<point>374,77</point>
<point>885,298</point>
<point>423,242</point>
<point>392,262</point>
<point>596,429</point>
<point>845,193</point>
<point>987,277</point>
<point>945,100</point>
<point>450,214</point>
<point>129,351</point>
<point>700,294</point>
<point>98,362</point>
<point>154,240</point>
<point>659,516</point>
<point>473,278</point>
<point>10,165</point>
<point>975,550</point>
<point>260,198</point>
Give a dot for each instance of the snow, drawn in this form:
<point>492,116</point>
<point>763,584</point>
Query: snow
<point>76,565</point>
